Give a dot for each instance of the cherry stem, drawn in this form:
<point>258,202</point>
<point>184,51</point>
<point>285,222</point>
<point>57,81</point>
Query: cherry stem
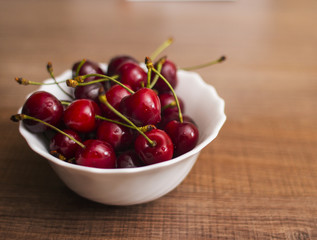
<point>221,59</point>
<point>148,64</point>
<point>19,117</point>
<point>159,68</point>
<point>104,78</point>
<point>149,75</point>
<point>160,49</point>
<point>103,99</point>
<point>113,121</point>
<point>79,66</point>
<point>23,81</point>
<point>172,104</point>
<point>49,68</point>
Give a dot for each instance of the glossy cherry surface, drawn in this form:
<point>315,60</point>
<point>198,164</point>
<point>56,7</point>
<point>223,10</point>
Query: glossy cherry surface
<point>184,136</point>
<point>114,96</point>
<point>80,115</point>
<point>169,72</point>
<point>132,74</point>
<point>129,159</point>
<point>116,61</point>
<point>118,136</point>
<point>142,108</point>
<point>162,151</point>
<point>44,106</point>
<point>166,99</point>
<point>64,145</point>
<point>97,153</point>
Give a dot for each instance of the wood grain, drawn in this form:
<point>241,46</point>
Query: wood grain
<point>257,180</point>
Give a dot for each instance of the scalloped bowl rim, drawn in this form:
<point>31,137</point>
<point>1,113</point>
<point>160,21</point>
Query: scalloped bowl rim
<point>25,133</point>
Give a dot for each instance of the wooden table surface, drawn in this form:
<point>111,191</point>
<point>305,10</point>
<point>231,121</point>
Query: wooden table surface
<point>257,180</point>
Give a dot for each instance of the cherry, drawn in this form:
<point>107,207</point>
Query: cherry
<point>88,91</point>
<point>160,152</point>
<point>116,61</point>
<point>168,103</point>
<point>184,136</point>
<point>44,106</point>
<point>129,159</point>
<point>118,136</point>
<point>97,153</point>
<point>80,115</point>
<point>132,74</point>
<point>173,115</point>
<point>64,145</point>
<point>88,67</point>
<point>169,71</point>
<point>142,108</point>
<point>114,95</point>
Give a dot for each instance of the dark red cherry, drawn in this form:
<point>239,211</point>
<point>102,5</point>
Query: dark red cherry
<point>129,159</point>
<point>97,153</point>
<point>142,108</point>
<point>64,145</point>
<point>89,67</point>
<point>168,98</point>
<point>118,136</point>
<point>116,61</point>
<point>169,71</point>
<point>89,91</point>
<point>44,106</point>
<point>184,136</point>
<point>80,115</point>
<point>162,151</point>
<point>132,74</point>
<point>173,115</point>
<point>114,96</point>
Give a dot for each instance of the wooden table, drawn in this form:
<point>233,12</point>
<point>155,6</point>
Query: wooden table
<point>257,180</point>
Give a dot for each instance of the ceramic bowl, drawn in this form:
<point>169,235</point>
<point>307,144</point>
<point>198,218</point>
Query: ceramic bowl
<point>139,185</point>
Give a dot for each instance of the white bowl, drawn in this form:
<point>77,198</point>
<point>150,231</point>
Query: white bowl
<point>139,185</point>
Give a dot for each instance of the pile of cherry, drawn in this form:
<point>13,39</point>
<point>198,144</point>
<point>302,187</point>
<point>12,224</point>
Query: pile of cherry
<point>128,116</point>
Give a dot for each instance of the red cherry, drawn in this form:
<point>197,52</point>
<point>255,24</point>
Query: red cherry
<point>173,115</point>
<point>184,136</point>
<point>118,136</point>
<point>114,96</point>
<point>168,98</point>
<point>132,74</point>
<point>97,153</point>
<point>162,151</point>
<point>80,115</point>
<point>64,145</point>
<point>129,159</point>
<point>115,62</point>
<point>88,67</point>
<point>169,71</point>
<point>142,108</point>
<point>44,106</point>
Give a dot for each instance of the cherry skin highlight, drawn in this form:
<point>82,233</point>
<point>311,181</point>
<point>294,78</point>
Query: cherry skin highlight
<point>184,136</point>
<point>80,115</point>
<point>44,106</point>
<point>142,108</point>
<point>162,151</point>
<point>132,74</point>
<point>169,72</point>
<point>116,61</point>
<point>97,153</point>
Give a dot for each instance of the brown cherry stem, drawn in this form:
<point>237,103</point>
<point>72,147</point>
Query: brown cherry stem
<point>180,115</point>
<point>221,59</point>
<point>19,117</point>
<point>103,100</point>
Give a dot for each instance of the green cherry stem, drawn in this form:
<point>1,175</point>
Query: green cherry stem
<point>221,59</point>
<point>19,117</point>
<point>159,69</point>
<point>149,65</point>
<point>49,68</point>
<point>79,66</point>
<point>103,100</point>
<point>160,49</point>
